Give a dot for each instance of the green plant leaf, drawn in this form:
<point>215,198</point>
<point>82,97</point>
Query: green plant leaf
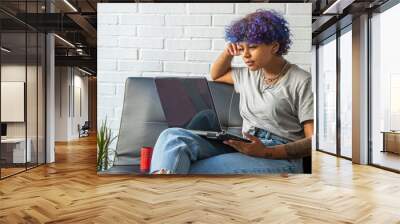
<point>104,140</point>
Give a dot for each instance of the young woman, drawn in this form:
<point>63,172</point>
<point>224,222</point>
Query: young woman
<point>276,104</point>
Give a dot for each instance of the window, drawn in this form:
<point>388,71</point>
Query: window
<point>327,96</point>
<point>385,87</point>
<point>346,93</point>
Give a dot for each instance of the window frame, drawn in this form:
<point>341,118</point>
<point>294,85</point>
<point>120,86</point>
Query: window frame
<point>333,37</point>
<point>379,10</point>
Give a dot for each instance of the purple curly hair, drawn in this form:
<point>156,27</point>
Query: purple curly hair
<point>259,27</point>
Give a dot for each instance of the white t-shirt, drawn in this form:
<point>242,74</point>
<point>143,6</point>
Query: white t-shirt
<point>281,108</point>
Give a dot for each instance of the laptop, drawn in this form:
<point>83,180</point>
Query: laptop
<point>187,103</point>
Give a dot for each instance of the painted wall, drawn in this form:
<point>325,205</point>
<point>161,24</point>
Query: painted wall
<point>16,72</point>
<point>33,127</point>
<point>71,102</point>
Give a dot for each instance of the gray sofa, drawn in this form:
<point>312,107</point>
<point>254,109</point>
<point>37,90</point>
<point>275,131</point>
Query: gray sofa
<point>143,120</point>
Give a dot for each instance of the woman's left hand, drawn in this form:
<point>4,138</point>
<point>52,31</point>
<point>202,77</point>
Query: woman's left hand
<point>255,148</point>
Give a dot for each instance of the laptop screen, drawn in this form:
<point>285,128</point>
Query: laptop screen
<point>187,103</point>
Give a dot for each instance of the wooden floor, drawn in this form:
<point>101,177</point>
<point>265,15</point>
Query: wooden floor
<point>387,159</point>
<point>5,172</point>
<point>8,171</point>
<point>70,191</point>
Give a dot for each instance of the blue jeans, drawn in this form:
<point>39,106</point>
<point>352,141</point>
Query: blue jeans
<point>183,152</point>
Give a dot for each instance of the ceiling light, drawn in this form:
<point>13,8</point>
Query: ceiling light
<point>64,40</point>
<point>84,71</point>
<point>5,50</point>
<point>70,5</point>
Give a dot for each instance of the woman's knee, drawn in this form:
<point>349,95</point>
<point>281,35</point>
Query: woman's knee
<point>173,132</point>
<point>176,135</point>
<point>172,137</point>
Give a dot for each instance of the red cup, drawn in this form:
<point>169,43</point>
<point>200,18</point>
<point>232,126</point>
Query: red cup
<point>145,159</point>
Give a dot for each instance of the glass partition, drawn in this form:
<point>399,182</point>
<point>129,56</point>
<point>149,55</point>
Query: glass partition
<point>346,93</point>
<point>13,108</point>
<point>41,96</point>
<point>23,90</point>
<point>326,133</point>
<point>32,86</point>
<point>31,100</point>
<point>385,89</point>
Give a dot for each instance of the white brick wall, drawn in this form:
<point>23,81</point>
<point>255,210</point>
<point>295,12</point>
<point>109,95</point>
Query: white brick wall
<point>223,20</point>
<point>206,56</point>
<point>188,44</point>
<point>139,66</point>
<point>218,44</point>
<point>117,8</point>
<point>116,30</point>
<point>162,55</point>
<point>184,68</point>
<point>175,39</point>
<point>139,19</point>
<point>245,8</point>
<point>207,32</point>
<point>173,20</point>
<point>137,42</point>
<point>206,8</point>
<point>118,53</point>
<point>162,8</point>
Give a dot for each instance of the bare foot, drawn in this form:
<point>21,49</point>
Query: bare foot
<point>162,171</point>
<point>284,175</point>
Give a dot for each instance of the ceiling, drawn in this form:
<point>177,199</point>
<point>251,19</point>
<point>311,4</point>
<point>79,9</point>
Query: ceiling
<point>76,22</point>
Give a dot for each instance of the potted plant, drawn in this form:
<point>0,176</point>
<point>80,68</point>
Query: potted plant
<point>104,139</point>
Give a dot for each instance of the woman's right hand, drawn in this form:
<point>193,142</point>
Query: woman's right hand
<point>221,70</point>
<point>232,49</point>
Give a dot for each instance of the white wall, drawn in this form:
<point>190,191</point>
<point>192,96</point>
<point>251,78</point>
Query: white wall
<point>80,82</point>
<point>61,103</point>
<point>17,72</point>
<point>33,126</point>
<point>155,39</point>
<point>67,80</point>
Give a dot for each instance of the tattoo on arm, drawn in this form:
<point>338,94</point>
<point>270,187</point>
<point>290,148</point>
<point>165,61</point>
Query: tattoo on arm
<point>298,149</point>
<point>268,154</point>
